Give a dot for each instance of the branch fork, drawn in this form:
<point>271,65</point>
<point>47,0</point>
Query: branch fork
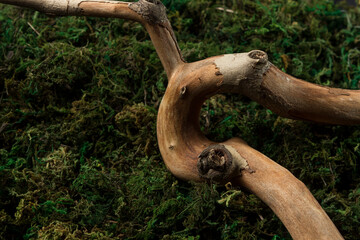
<point>187,153</point>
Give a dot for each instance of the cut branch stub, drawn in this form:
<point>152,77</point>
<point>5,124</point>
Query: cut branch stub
<point>220,163</point>
<point>215,163</point>
<point>262,61</point>
<point>257,54</point>
<point>242,71</point>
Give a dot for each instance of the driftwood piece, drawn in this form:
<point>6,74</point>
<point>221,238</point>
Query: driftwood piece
<point>187,153</point>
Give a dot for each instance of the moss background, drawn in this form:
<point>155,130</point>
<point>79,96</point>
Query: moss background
<point>78,104</point>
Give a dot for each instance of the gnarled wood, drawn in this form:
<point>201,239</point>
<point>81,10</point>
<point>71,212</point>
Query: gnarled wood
<point>182,145</point>
<point>187,152</point>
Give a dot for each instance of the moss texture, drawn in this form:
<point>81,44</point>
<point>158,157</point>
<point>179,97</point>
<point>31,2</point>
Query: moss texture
<point>78,103</point>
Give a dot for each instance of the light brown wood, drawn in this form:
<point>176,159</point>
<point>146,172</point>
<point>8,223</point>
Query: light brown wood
<point>181,142</point>
<point>288,197</point>
<point>180,139</point>
<point>71,7</point>
<point>158,27</point>
<point>294,98</point>
<point>113,9</point>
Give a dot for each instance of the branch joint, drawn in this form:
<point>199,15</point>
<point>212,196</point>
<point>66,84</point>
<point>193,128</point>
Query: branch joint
<point>153,11</point>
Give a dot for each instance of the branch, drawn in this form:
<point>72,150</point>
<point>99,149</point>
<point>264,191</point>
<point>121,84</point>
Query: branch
<point>95,8</point>
<point>187,152</point>
<point>288,96</point>
<point>150,13</point>
<point>288,197</point>
<point>294,98</point>
<point>161,33</point>
<point>189,155</point>
<point>283,94</point>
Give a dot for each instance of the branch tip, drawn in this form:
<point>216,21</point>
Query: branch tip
<point>257,54</point>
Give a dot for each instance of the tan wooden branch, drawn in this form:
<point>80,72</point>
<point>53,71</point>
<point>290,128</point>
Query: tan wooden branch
<point>187,153</point>
<point>294,98</point>
<point>191,156</point>
<point>151,13</point>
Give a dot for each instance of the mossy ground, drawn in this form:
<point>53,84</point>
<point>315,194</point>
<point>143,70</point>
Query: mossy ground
<point>78,102</point>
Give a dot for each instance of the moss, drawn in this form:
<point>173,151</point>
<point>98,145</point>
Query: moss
<point>78,104</point>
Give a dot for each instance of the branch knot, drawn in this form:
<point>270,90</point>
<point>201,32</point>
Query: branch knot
<point>215,163</point>
<point>153,11</point>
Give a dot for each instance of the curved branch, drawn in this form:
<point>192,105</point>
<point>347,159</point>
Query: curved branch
<point>95,8</point>
<point>187,152</point>
<point>288,197</point>
<point>191,156</point>
<point>283,94</point>
<point>150,13</point>
<point>161,33</point>
<point>293,98</point>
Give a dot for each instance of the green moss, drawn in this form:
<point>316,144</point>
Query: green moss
<point>78,103</point>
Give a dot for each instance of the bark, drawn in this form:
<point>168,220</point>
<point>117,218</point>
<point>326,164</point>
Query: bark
<point>187,153</point>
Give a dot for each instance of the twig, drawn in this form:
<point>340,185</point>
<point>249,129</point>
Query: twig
<point>32,27</point>
<point>225,10</point>
<point>3,126</point>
